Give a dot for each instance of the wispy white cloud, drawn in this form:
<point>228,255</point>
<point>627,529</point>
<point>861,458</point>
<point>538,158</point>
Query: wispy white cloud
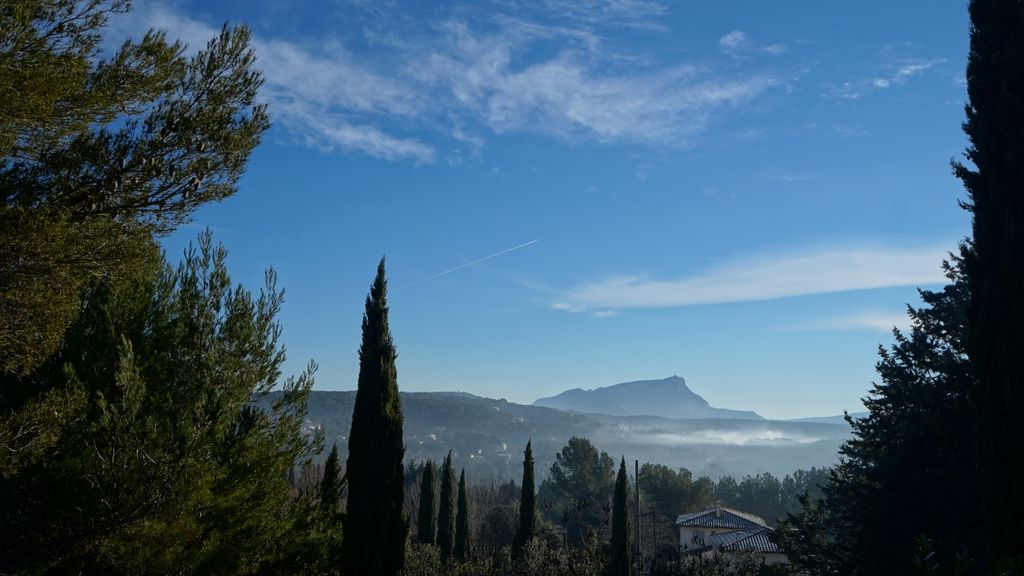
<point>865,320</point>
<point>567,97</point>
<point>630,13</point>
<point>766,277</point>
<point>898,73</point>
<point>737,42</point>
<point>326,131</point>
<point>733,40</point>
<point>452,83</point>
<point>792,178</point>
<point>315,94</point>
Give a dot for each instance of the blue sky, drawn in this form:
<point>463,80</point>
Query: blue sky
<point>742,193</point>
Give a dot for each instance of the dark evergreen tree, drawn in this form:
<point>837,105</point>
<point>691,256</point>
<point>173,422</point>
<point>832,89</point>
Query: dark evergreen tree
<point>100,151</point>
<point>375,524</point>
<point>995,261</point>
<point>817,539</point>
<point>462,543</point>
<point>907,471</point>
<point>446,510</point>
<point>527,502</point>
<point>619,557</point>
<point>330,486</point>
<point>176,367</point>
<point>427,520</point>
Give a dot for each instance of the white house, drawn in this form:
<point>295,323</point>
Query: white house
<point>726,531</point>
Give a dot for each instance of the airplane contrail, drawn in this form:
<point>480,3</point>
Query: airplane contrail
<point>484,258</point>
<point>474,262</point>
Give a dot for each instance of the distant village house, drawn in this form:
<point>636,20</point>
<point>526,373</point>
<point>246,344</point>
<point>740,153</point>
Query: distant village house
<point>728,532</point>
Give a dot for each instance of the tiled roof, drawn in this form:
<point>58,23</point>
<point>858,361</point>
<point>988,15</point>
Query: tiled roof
<point>728,518</point>
<point>753,541</point>
<point>723,539</point>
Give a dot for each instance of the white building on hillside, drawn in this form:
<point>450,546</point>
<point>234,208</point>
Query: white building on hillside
<point>722,530</point>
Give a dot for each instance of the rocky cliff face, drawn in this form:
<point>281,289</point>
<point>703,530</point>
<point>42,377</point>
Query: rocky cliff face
<point>668,398</point>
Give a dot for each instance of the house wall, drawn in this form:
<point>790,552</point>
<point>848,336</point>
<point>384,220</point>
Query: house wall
<point>686,535</point>
<point>685,543</point>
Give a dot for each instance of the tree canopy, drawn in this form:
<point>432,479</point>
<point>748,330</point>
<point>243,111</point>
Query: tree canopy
<point>177,457</point>
<point>908,470</point>
<point>101,151</point>
<point>578,491</point>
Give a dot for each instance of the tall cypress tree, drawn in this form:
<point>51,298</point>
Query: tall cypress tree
<point>462,548</point>
<point>427,521</point>
<point>527,502</point>
<point>446,511</point>
<point>330,486</point>
<point>618,562</point>
<point>995,267</point>
<point>376,523</point>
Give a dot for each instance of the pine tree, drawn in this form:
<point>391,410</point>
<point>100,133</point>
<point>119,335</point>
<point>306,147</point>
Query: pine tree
<point>100,152</point>
<point>427,521</point>
<point>581,481</point>
<point>995,264</point>
<point>618,562</point>
<point>446,511</point>
<point>911,453</point>
<point>462,544</point>
<point>527,502</point>
<point>375,524</point>
<point>178,368</point>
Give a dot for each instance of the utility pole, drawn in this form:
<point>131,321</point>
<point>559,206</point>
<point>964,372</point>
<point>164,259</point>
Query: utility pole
<point>636,544</point>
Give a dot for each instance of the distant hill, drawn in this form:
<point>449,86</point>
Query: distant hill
<point>487,436</point>
<point>839,419</point>
<point>668,398</point>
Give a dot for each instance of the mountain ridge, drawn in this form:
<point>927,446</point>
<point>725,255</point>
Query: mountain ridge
<point>487,435</point>
<point>667,398</point>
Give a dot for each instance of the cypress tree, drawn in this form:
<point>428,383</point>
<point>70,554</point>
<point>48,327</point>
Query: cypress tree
<point>462,548</point>
<point>995,264</point>
<point>618,563</point>
<point>330,486</point>
<point>527,502</point>
<point>427,521</point>
<point>375,525</point>
<point>446,511</point>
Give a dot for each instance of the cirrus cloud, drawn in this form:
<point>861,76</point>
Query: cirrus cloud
<point>461,80</point>
<point>766,277</point>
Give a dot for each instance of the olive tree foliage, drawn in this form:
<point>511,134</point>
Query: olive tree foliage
<point>99,151</point>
